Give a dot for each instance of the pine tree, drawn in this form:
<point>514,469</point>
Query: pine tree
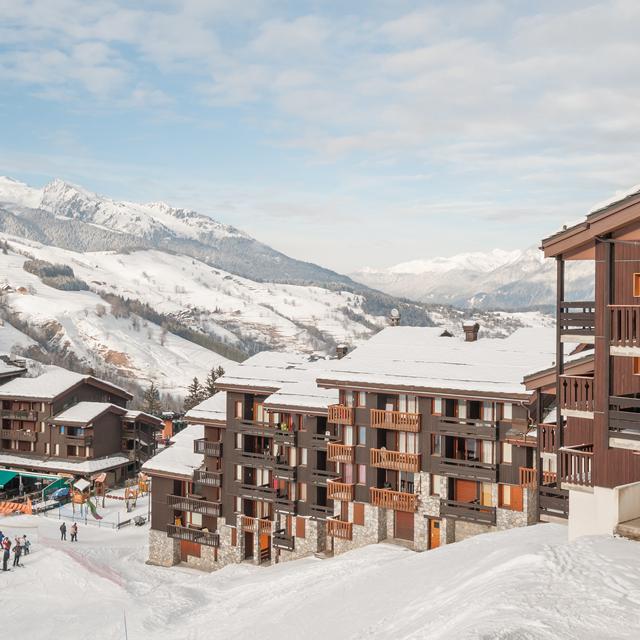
<point>152,400</point>
<point>195,393</point>
<point>209,385</point>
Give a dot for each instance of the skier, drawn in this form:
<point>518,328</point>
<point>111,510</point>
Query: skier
<point>6,547</point>
<point>26,545</point>
<point>74,532</point>
<point>63,531</point>
<point>17,552</point>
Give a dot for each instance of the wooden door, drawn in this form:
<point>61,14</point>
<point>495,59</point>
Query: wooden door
<point>188,548</point>
<point>248,545</point>
<point>404,525</point>
<point>265,547</point>
<point>434,534</point>
<point>466,491</point>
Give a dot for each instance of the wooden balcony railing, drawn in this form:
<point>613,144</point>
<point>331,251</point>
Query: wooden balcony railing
<point>16,414</point>
<point>624,416</point>
<point>553,501</point>
<point>18,434</point>
<point>528,477</point>
<point>398,460</point>
<point>576,393</point>
<point>194,505</point>
<point>282,540</point>
<point>395,420</point>
<point>625,325</point>
<point>262,492</point>
<point>255,525</point>
<point>397,500</point>
<point>577,318</point>
<point>321,440</point>
<point>549,477</point>
<point>467,469</point>
<point>547,437</point>
<point>468,427</point>
<point>208,448</point>
<point>468,511</point>
<point>337,490</point>
<point>338,452</point>
<point>340,414</point>
<point>208,478</point>
<point>576,465</point>
<point>322,476</point>
<point>339,529</point>
<point>206,538</point>
<point>284,436</point>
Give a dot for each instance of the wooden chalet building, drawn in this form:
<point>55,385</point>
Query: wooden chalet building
<point>594,438</point>
<point>65,422</point>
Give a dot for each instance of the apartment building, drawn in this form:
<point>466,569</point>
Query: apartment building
<point>65,422</point>
<point>594,437</point>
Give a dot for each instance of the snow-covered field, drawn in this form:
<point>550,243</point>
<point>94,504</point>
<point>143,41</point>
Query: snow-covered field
<point>519,584</point>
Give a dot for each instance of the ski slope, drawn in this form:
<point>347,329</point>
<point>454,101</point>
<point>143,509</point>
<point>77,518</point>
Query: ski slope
<point>521,584</point>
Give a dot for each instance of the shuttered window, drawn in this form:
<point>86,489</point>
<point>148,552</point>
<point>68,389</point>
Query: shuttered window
<point>358,513</point>
<point>300,527</point>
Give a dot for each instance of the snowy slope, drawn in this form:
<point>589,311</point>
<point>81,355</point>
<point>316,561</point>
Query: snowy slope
<point>495,279</point>
<point>522,584</point>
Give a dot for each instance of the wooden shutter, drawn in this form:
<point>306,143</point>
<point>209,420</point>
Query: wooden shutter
<point>516,498</point>
<point>300,527</point>
<point>358,513</point>
<point>234,537</point>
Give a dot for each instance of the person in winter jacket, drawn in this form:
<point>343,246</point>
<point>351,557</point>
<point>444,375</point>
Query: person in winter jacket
<point>74,532</point>
<point>6,549</point>
<point>63,531</point>
<point>17,552</point>
<point>26,545</point>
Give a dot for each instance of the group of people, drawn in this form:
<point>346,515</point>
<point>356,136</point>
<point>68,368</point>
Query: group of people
<point>20,547</point>
<point>74,532</point>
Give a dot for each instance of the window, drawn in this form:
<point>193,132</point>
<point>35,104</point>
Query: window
<point>258,412</point>
<point>349,398</point>
<point>462,408</point>
<point>507,411</point>
<point>407,442</point>
<point>361,399</point>
<point>347,473</point>
<point>506,453</point>
<point>510,497</point>
<point>238,441</point>
<point>237,411</point>
<point>302,491</point>
<point>303,456</point>
<point>435,445</point>
<point>300,527</point>
<point>485,495</point>
<point>487,411</point>
<point>348,435</point>
<point>434,484</point>
<point>362,436</point>
<point>47,448</point>
<point>237,504</point>
<point>436,406</point>
<point>57,449</point>
<point>487,452</point>
<point>362,474</point>
<point>358,513</point>
<point>636,285</point>
<point>237,472</point>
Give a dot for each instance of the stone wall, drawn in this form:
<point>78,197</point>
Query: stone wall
<point>313,541</point>
<point>464,530</point>
<point>373,530</point>
<point>163,551</point>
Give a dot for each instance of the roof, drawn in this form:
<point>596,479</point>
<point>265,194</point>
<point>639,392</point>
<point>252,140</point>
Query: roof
<point>134,415</point>
<point>6,476</point>
<point>85,412</point>
<point>8,369</point>
<point>267,371</point>
<point>56,464</point>
<point>81,484</point>
<point>178,459</point>
<point>418,359</point>
<point>53,383</point>
<point>213,409</point>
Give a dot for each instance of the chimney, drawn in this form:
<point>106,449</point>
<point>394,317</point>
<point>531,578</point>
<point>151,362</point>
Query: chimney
<point>341,351</point>
<point>394,318</point>
<point>471,329</point>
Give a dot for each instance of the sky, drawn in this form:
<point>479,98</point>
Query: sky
<point>349,134</point>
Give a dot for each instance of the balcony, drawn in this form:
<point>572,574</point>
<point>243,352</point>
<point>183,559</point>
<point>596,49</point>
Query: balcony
<point>13,414</point>
<point>397,460</point>
<point>208,448</point>
<point>18,434</point>
<point>395,420</point>
<point>194,505</point>
<point>338,452</point>
<point>576,465</point>
<point>284,503</point>
<point>468,469</point>
<point>578,319</point>
<point>553,502</point>
<point>624,417</point>
<point>397,500</point>
<point>468,511</point>
<point>576,395</point>
<point>282,540</point>
<point>208,478</point>
<point>284,436</point>
<point>323,476</point>
<point>547,437</point>
<point>339,529</point>
<point>260,526</point>
<point>320,511</point>
<point>321,440</point>
<point>337,490</point>
<point>467,427</point>
<point>625,325</point>
<point>528,477</point>
<point>255,492</point>
<point>284,471</point>
<point>78,441</point>
<point>339,414</point>
<point>259,459</point>
<point>206,538</point>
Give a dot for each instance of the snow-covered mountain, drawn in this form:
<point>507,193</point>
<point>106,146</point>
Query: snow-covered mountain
<point>496,279</point>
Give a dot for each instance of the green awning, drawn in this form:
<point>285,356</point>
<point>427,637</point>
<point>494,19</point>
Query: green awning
<point>6,476</point>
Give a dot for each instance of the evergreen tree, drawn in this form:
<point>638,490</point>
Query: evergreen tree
<point>195,395</point>
<point>209,385</point>
<point>152,400</point>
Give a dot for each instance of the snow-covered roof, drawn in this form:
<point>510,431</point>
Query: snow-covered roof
<point>85,412</point>
<point>178,458</point>
<point>56,464</point>
<point>211,409</point>
<point>9,369</point>
<point>133,414</point>
<point>50,385</point>
<point>81,484</point>
<point>267,370</point>
<point>418,358</point>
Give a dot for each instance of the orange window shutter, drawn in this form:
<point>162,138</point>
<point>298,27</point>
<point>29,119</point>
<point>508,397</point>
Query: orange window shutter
<point>300,527</point>
<point>234,537</point>
<point>358,513</point>
<point>516,498</point>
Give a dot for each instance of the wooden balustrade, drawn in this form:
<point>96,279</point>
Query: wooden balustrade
<point>549,477</point>
<point>396,420</point>
<point>398,460</point>
<point>625,325</point>
<point>256,525</point>
<point>337,490</point>
<point>553,502</point>
<point>208,448</point>
<point>206,538</point>
<point>468,511</point>
<point>17,414</point>
<point>576,465</point>
<point>528,477</point>
<point>578,318</point>
<point>624,416</point>
<point>208,478</point>
<point>338,452</point>
<point>547,437</point>
<point>397,500</point>
<point>339,529</point>
<point>194,505</point>
<point>576,393</point>
<point>340,414</point>
<point>467,427</point>
<point>18,434</point>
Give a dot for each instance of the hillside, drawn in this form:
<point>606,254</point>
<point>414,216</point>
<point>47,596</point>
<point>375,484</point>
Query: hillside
<point>525,584</point>
<point>497,279</point>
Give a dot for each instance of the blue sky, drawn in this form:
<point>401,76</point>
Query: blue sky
<point>348,134</point>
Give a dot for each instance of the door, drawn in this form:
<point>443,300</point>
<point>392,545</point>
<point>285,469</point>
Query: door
<point>248,545</point>
<point>188,548</point>
<point>434,534</point>
<point>404,525</point>
<point>265,547</point>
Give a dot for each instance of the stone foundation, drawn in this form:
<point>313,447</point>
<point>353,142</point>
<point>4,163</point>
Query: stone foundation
<point>374,529</point>
<point>314,541</point>
<point>163,551</point>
